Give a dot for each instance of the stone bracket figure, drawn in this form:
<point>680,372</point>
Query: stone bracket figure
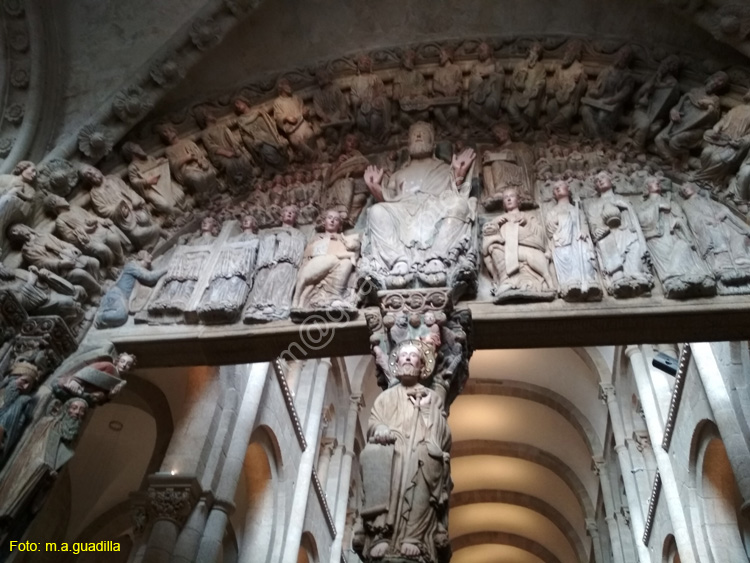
<point>510,165</point>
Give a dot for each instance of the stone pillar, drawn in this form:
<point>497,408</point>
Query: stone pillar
<point>730,428</point>
<point>305,470</point>
<point>187,450</point>
<point>421,348</point>
<point>327,445</point>
<point>345,477</point>
<point>669,489</point>
<point>190,536</point>
<point>593,531</point>
<point>171,499</point>
<point>600,468</point>
<point>213,534</point>
<point>607,392</point>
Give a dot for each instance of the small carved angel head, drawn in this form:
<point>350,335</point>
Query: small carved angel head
<point>125,362</point>
<point>26,170</point>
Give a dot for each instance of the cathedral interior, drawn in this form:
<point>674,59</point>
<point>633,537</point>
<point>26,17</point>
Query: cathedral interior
<point>321,281</point>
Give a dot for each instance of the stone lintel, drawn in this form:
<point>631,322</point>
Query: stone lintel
<point>556,324</point>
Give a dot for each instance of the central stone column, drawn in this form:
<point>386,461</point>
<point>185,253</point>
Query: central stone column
<point>421,350</point>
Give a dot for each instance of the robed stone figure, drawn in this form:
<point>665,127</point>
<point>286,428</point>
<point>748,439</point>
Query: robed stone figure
<point>406,472</point>
<point>424,220</point>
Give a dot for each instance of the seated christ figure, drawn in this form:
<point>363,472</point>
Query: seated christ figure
<point>423,221</point>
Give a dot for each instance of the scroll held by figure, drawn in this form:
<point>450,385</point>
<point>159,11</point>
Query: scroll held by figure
<point>421,231</point>
<point>406,466</point>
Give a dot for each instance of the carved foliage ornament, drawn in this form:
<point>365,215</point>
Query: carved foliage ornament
<point>58,176</point>
<point>131,104</point>
<point>94,141</point>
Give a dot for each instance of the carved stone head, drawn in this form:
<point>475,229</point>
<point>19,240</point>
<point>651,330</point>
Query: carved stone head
<point>130,151</point>
<point>332,221</point>
<point>412,361</point>
<point>285,87</point>
<point>409,59</point>
<point>445,56</point>
<point>670,66</point>
<point>241,106</point>
<point>603,182</point>
<point>91,175</point>
<point>125,362</point>
<point>421,140</point>
<point>535,53</point>
<point>623,57</point>
<point>249,224</point>
<point>20,234</point>
<point>289,215</point>
<point>54,204</point>
<point>653,185</point>
<point>364,64</point>
<point>510,199</point>
<point>484,51</point>
<point>210,226</point>
<point>572,53</point>
<point>167,133</point>
<point>717,82</point>
<point>561,190</point>
<point>26,170</point>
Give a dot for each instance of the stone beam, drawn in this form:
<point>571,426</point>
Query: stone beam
<point>509,326</point>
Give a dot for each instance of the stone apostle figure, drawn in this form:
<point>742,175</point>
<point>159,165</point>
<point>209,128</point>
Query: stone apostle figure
<point>406,465</point>
<point>696,112</point>
<point>188,163</point>
<point>410,92</point>
<point>91,234</point>
<point>47,252</point>
<point>279,256</point>
<point>485,86</point>
<point>232,277</point>
<point>527,87</point>
<point>115,305</point>
<point>510,165</point>
<point>16,405</point>
<point>604,104</point>
<point>290,114</point>
<point>40,292</point>
<point>184,270</point>
<point>346,190</point>
<point>623,254</point>
<point>515,252</point>
<point>566,88</point>
<point>572,249</point>
<point>152,179</point>
<point>680,269</point>
<point>722,239</point>
<point>424,220</point>
<point>260,136</point>
<point>370,104</point>
<point>653,101</point>
<point>40,456</point>
<point>328,263</point>
<point>725,146</point>
<point>225,150</point>
<point>17,195</point>
<point>447,90</point>
<point>113,199</point>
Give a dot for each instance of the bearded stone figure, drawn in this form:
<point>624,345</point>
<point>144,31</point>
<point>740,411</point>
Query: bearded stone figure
<point>38,459</point>
<point>406,466</point>
<point>423,224</point>
<point>16,405</point>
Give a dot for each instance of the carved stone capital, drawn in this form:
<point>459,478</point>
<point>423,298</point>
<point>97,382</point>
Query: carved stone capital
<point>606,392</point>
<point>597,464</point>
<point>172,497</point>
<point>642,440</point>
